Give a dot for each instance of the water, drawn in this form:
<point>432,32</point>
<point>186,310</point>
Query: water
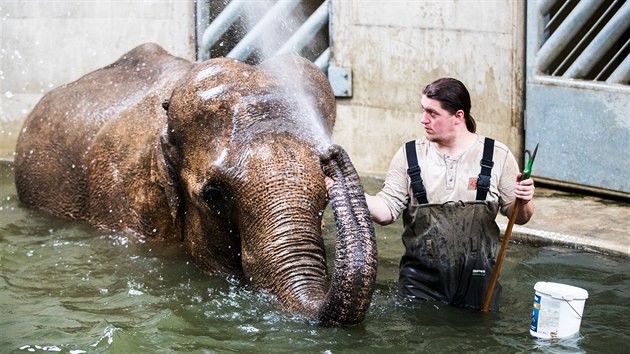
<point>65,287</point>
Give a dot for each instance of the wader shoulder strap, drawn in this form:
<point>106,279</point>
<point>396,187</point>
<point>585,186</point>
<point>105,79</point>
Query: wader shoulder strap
<point>413,170</point>
<point>483,182</point>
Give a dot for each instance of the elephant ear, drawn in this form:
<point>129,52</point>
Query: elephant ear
<point>165,166</point>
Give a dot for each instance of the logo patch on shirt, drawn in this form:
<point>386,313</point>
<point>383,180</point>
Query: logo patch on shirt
<point>472,183</point>
<point>479,273</point>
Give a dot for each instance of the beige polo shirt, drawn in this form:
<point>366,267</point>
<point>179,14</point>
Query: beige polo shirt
<point>449,178</point>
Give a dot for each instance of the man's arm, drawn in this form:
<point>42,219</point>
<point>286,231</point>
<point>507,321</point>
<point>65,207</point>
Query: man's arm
<point>379,210</point>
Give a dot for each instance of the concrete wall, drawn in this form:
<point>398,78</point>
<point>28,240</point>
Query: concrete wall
<point>45,43</point>
<point>395,48</point>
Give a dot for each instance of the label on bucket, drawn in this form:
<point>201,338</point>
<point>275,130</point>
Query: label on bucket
<point>535,313</point>
<point>549,316</point>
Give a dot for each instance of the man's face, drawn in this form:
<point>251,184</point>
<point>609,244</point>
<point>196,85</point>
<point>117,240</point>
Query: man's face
<point>439,124</point>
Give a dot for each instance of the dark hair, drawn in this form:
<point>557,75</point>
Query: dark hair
<point>453,96</point>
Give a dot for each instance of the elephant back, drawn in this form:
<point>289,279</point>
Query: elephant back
<point>68,128</point>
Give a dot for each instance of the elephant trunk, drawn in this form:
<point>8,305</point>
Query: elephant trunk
<point>283,250</point>
<point>354,276</point>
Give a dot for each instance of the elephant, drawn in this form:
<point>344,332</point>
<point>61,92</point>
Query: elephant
<point>225,157</point>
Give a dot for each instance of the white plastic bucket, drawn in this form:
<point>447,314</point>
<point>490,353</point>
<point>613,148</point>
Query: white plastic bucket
<point>557,310</point>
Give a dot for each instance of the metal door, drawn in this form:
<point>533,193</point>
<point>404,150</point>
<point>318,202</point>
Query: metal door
<point>578,93</point>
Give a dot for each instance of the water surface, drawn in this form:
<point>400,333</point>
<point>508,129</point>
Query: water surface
<point>66,287</point>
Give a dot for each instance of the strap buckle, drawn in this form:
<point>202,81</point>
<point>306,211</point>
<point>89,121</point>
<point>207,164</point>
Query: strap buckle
<point>413,171</point>
<point>483,182</point>
<point>486,163</point>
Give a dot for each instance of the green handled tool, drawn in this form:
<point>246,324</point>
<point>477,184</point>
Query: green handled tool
<point>527,172</point>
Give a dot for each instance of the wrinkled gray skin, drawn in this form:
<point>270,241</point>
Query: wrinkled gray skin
<point>217,155</point>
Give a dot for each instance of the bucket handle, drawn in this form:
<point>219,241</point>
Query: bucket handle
<point>572,308</point>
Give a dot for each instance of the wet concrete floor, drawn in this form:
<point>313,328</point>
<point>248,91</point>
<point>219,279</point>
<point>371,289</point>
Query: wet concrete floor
<point>576,220</point>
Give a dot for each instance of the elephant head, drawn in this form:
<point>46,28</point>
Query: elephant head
<point>230,159</point>
<point>244,147</point>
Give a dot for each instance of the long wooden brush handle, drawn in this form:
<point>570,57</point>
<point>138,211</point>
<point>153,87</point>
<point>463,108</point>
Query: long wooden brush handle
<point>501,255</point>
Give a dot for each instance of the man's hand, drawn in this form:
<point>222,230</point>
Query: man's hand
<point>524,189</point>
<point>329,183</point>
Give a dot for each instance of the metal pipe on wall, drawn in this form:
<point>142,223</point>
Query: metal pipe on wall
<point>612,62</point>
<point>307,31</point>
<point>569,27</point>
<point>557,16</point>
<point>217,28</point>
<point>202,15</point>
<point>544,6</point>
<point>600,44</point>
<point>621,75</point>
<point>585,38</point>
<point>323,61</point>
<point>245,47</point>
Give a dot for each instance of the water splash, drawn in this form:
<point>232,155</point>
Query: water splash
<point>39,348</point>
<point>313,120</point>
<point>309,119</point>
<point>264,39</point>
<point>108,336</point>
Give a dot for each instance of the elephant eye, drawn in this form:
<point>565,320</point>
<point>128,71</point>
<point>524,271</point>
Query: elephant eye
<point>218,198</point>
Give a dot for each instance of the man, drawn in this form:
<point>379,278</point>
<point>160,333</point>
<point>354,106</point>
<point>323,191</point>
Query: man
<point>449,191</point>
